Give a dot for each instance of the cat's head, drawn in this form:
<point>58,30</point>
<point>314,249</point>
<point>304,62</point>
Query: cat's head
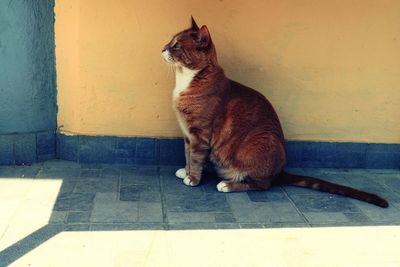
<point>191,48</point>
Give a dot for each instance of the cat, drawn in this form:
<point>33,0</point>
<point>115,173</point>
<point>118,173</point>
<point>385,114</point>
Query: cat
<point>233,126</point>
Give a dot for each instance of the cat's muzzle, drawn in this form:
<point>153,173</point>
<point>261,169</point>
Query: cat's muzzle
<point>167,56</point>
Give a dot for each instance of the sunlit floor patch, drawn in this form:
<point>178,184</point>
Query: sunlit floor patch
<point>329,246</point>
<point>26,206</point>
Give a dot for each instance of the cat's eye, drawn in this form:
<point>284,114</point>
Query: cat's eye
<point>176,46</point>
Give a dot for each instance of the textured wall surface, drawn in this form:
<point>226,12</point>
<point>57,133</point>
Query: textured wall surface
<point>27,81</point>
<point>331,68</point>
<point>27,66</point>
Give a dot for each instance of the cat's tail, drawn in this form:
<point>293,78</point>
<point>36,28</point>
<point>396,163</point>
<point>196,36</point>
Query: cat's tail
<point>285,178</point>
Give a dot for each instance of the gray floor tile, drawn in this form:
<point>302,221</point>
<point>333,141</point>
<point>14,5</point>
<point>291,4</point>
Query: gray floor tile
<point>323,203</point>
<point>390,215</point>
<point>294,190</point>
<point>267,196</point>
<point>147,171</point>
<point>191,226</point>
<point>357,217</point>
<point>245,213</point>
<point>93,185</point>
<point>237,198</point>
<point>117,212</point>
<point>127,170</point>
<point>364,181</point>
<point>226,217</point>
<point>190,217</point>
<point>74,202</point>
<point>222,226</point>
<point>286,225</point>
<point>197,203</point>
<point>61,164</point>
<point>65,174</point>
<point>251,225</point>
<point>174,185</point>
<point>122,197</point>
<point>58,216</point>
<point>126,226</point>
<point>331,217</point>
<point>27,171</point>
<point>92,166</point>
<point>384,171</point>
<point>67,186</point>
<point>104,198</point>
<point>283,212</point>
<point>78,217</point>
<point>90,173</point>
<point>77,227</point>
<point>136,192</point>
<point>110,172</point>
<point>9,171</point>
<point>150,196</point>
<point>129,193</point>
<point>150,212</point>
<point>140,180</point>
<point>391,182</point>
<point>268,213</point>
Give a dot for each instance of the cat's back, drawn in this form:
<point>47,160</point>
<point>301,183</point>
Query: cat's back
<point>246,99</point>
<point>245,113</point>
<point>247,121</point>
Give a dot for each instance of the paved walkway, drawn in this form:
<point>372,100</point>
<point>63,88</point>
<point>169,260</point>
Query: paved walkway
<point>57,201</point>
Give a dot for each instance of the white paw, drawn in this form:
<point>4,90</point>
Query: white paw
<point>181,173</point>
<point>223,187</point>
<point>188,181</point>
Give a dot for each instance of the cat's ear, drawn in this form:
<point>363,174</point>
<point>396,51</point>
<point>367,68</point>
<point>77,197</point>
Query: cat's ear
<point>194,25</point>
<point>203,37</point>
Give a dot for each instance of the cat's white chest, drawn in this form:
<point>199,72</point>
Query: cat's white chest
<point>183,79</point>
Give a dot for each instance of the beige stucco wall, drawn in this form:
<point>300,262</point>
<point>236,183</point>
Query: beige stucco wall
<point>330,68</point>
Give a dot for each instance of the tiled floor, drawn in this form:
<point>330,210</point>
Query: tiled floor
<point>120,197</point>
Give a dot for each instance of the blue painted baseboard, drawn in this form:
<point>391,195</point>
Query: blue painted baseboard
<point>34,147</point>
<point>170,151</point>
<point>124,150</point>
<point>27,148</point>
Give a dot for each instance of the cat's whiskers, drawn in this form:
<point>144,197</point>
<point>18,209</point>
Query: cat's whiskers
<point>172,69</point>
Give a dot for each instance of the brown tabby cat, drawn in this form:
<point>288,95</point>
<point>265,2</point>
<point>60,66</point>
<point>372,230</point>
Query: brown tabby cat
<point>233,125</point>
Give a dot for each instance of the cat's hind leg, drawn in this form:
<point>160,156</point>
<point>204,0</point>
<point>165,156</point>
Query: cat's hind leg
<point>232,186</point>
<point>236,181</point>
<point>245,185</point>
<point>233,180</point>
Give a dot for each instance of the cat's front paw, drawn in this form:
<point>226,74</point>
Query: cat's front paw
<point>191,181</point>
<point>181,173</point>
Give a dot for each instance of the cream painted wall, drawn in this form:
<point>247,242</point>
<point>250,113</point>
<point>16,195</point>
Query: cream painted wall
<point>330,68</point>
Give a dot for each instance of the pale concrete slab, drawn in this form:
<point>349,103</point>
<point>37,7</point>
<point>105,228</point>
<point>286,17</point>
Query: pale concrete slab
<point>12,193</point>
<point>352,246</point>
<point>37,203</point>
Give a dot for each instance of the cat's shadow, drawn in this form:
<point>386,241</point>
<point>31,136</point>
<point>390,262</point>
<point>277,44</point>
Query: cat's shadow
<point>210,177</point>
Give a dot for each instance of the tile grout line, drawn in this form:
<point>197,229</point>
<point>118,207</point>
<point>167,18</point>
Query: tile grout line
<point>230,207</point>
<point>297,209</point>
<point>165,222</point>
<point>90,223</point>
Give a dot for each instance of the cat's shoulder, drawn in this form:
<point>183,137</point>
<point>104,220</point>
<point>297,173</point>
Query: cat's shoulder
<point>242,90</point>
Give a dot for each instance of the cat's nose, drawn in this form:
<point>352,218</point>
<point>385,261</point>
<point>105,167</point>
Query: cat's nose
<point>165,48</point>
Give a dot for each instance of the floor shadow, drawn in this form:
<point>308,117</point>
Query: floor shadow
<point>29,243</point>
